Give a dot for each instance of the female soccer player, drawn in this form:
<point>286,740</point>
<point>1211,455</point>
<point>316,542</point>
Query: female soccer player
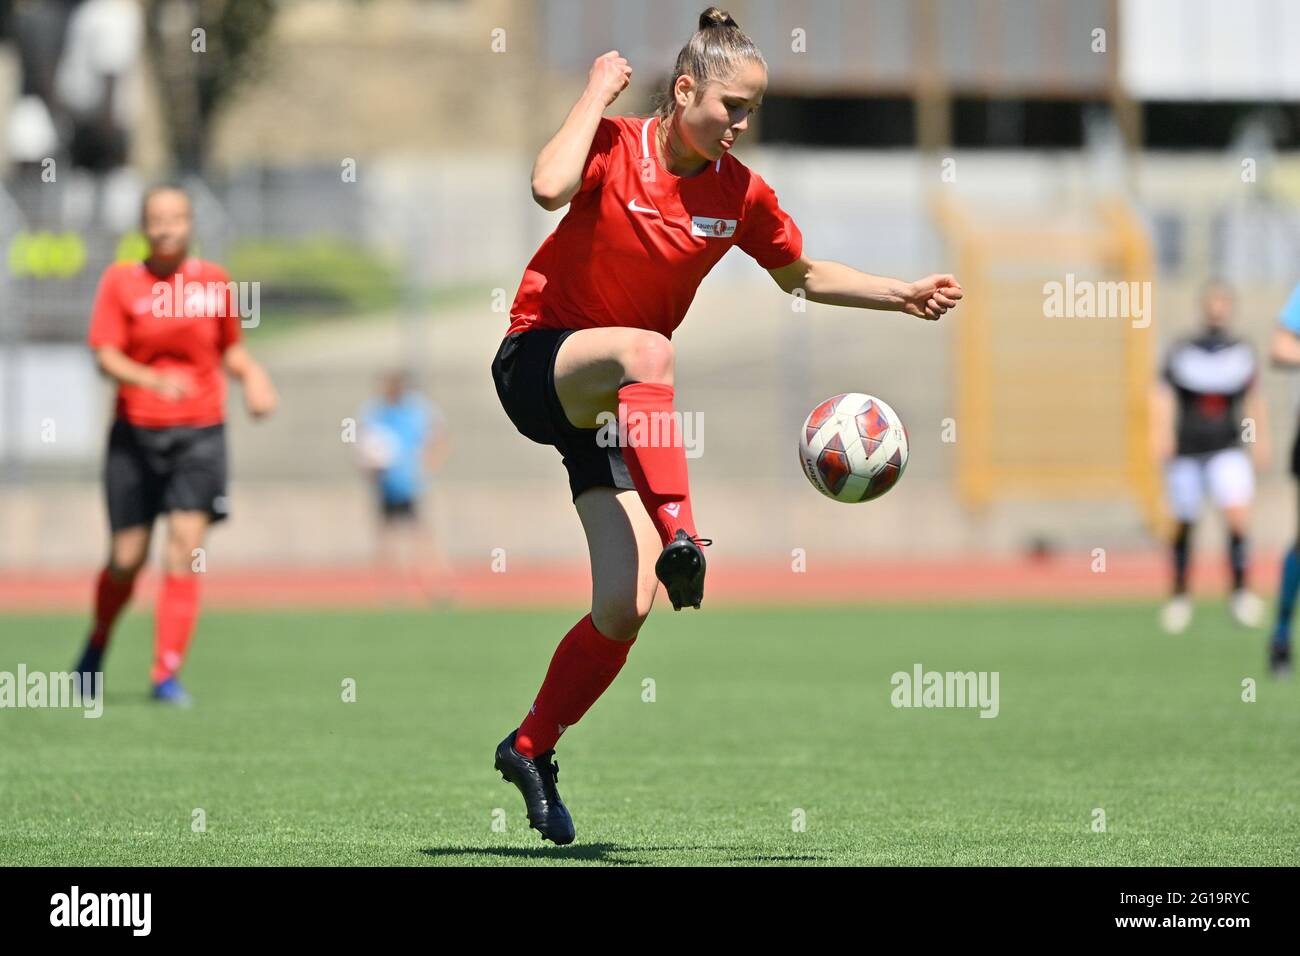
<point>653,204</point>
<point>169,354</point>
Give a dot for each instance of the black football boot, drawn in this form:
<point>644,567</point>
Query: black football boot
<point>1279,660</point>
<point>535,777</point>
<point>680,569</point>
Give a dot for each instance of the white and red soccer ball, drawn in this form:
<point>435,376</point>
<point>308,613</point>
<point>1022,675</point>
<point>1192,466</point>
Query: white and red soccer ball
<point>853,447</point>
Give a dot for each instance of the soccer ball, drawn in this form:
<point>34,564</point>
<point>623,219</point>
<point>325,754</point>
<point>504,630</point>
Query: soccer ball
<point>853,447</point>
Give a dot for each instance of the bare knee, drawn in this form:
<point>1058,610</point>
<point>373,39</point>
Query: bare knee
<point>126,558</point>
<point>621,620</point>
<point>183,547</point>
<point>123,570</point>
<point>648,358</point>
<point>181,553</point>
<point>1237,518</point>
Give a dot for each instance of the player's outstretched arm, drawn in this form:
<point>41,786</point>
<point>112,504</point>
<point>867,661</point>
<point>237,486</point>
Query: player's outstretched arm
<point>557,173</point>
<point>259,394</point>
<point>834,283</point>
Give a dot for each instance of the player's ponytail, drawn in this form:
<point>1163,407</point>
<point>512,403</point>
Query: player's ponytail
<point>714,52</point>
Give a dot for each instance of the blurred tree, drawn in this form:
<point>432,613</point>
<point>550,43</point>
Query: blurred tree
<point>201,51</point>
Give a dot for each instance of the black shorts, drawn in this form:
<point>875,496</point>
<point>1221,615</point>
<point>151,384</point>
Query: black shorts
<point>1295,455</point>
<point>524,372</point>
<point>395,511</point>
<point>149,471</point>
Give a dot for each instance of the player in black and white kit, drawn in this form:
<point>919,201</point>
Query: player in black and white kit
<point>1207,403</point>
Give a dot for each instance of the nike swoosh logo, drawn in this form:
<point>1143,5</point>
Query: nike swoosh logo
<point>635,208</point>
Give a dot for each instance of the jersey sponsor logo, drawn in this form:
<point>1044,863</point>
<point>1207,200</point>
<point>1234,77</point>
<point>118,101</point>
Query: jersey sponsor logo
<point>712,228</point>
<point>1212,406</point>
<point>631,204</point>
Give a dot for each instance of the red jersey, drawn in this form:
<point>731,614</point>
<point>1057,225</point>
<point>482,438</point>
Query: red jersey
<point>637,240</point>
<point>143,316</point>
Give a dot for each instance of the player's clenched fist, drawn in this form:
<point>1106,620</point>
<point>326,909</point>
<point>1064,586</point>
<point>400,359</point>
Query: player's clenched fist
<point>609,77</point>
<point>932,296</point>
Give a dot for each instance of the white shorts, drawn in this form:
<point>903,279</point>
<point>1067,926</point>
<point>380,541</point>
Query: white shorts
<point>1227,475</point>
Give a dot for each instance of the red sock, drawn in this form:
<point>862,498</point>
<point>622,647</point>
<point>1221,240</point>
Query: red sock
<point>585,663</point>
<point>178,608</point>
<point>111,596</point>
<point>656,456</point>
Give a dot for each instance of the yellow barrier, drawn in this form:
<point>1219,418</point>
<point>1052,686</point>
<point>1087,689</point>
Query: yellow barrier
<point>1052,400</point>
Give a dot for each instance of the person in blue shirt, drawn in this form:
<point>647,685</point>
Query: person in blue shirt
<point>1285,353</point>
<point>403,441</point>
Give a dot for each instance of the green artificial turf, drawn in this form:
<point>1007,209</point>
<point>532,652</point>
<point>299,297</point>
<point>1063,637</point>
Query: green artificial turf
<point>757,715</point>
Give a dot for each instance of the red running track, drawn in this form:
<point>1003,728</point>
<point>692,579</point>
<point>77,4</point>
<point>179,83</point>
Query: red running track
<point>1065,577</point>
